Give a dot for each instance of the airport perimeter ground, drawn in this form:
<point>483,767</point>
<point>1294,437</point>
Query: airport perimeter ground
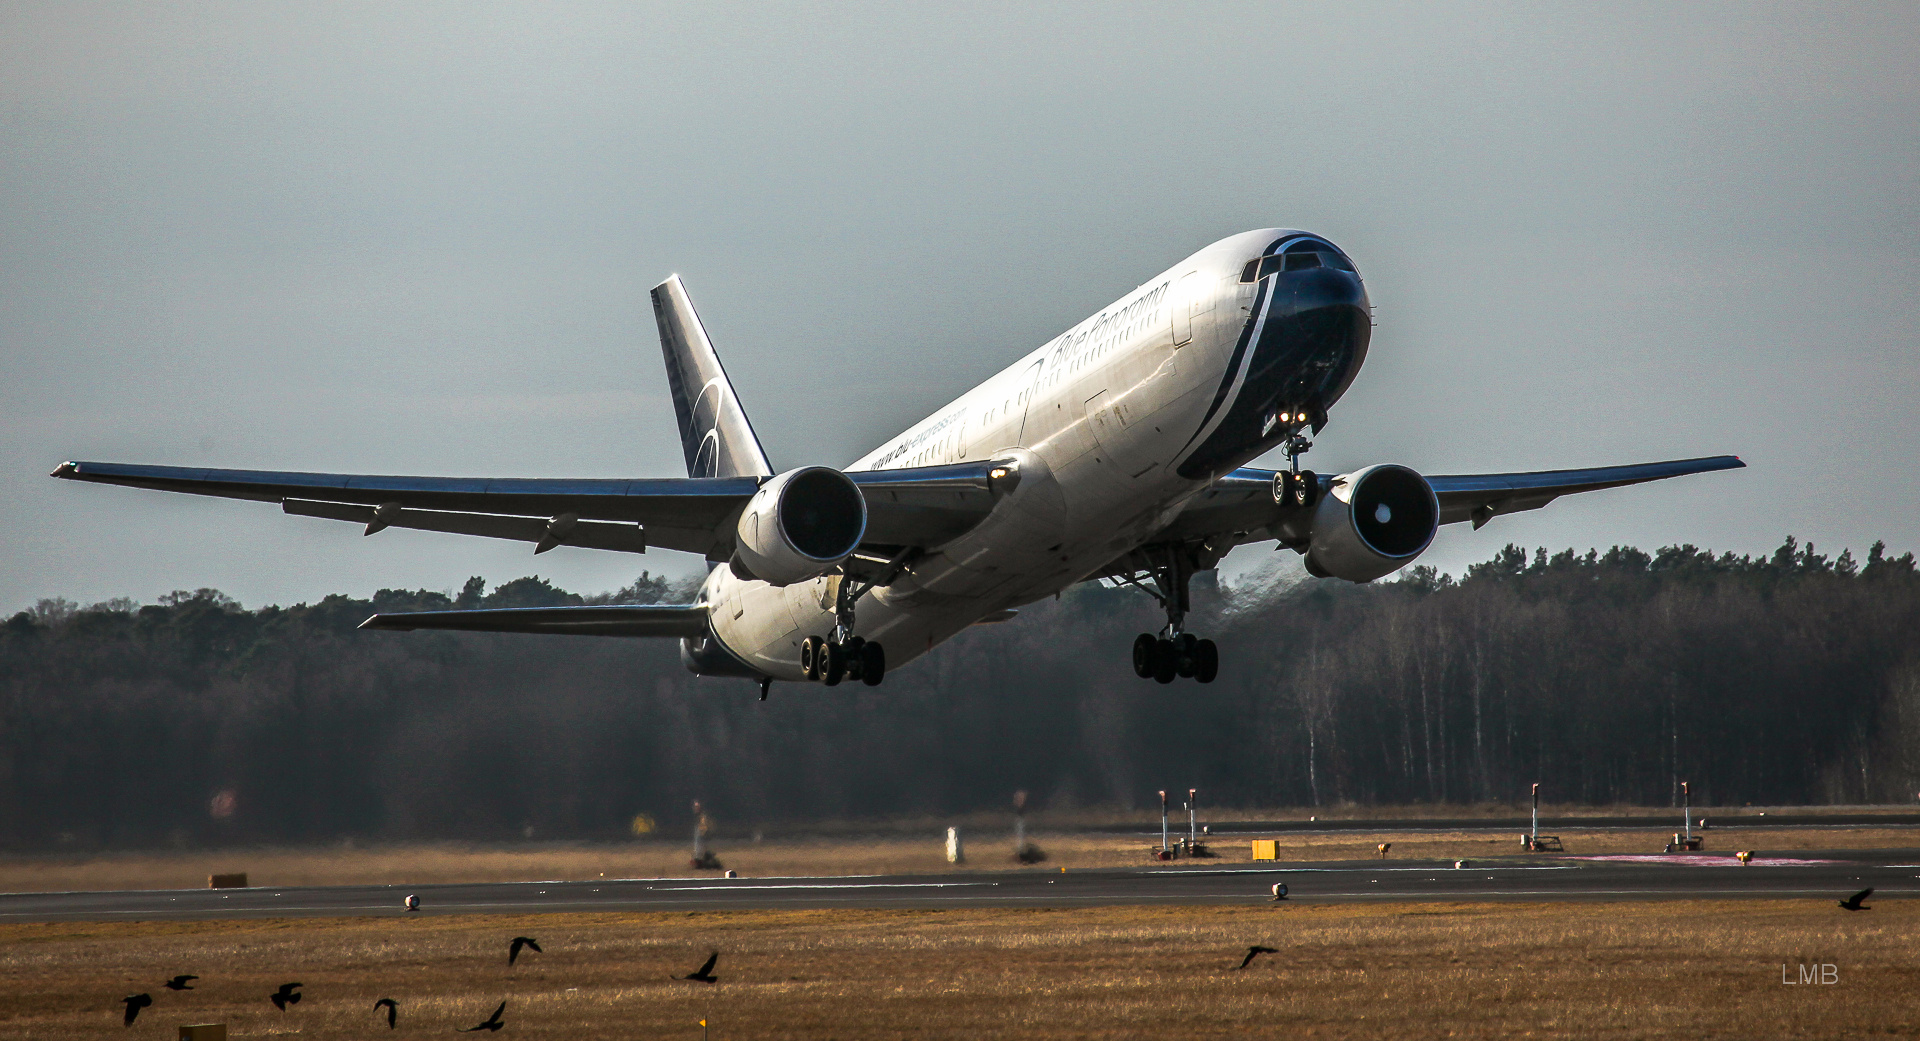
<point>1673,969</point>
<point>1419,968</point>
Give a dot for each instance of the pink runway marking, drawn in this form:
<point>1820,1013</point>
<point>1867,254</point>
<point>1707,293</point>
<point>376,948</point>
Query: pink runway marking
<point>1702,860</point>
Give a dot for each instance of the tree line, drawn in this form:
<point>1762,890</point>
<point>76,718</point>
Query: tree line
<point>1610,677</point>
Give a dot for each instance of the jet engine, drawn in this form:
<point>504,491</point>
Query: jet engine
<point>799,525</point>
<point>1372,522</point>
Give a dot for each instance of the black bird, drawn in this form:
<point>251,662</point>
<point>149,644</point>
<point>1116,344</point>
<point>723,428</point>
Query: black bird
<point>1254,952</point>
<point>1853,903</point>
<point>284,996</point>
<point>492,1024</point>
<point>135,1004</point>
<point>704,973</point>
<point>179,983</point>
<point>393,1010</point>
<point>513,950</point>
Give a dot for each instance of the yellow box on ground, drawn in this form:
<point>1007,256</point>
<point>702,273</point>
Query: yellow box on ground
<point>1266,849</point>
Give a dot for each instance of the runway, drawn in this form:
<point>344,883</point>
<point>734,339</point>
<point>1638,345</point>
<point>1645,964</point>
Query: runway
<point>1720,822</point>
<point>1894,874</point>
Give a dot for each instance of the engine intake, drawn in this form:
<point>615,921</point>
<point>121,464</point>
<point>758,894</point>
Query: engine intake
<point>1372,522</point>
<point>799,525</point>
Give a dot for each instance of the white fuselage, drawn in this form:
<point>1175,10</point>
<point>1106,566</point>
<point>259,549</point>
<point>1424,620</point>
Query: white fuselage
<point>1099,418</point>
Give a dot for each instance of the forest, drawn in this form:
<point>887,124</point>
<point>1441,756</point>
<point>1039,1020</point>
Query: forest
<point>1610,676</point>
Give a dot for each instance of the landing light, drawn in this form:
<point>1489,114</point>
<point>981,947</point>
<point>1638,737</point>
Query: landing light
<point>997,472</point>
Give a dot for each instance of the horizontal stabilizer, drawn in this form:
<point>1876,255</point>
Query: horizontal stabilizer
<point>614,620</point>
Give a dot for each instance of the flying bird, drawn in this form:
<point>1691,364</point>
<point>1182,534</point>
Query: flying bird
<point>1254,952</point>
<point>1853,903</point>
<point>513,950</point>
<point>285,996</point>
<point>179,983</point>
<point>704,973</point>
<point>135,1004</point>
<point>393,1010</point>
<point>492,1024</point>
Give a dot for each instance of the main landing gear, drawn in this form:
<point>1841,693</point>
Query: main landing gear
<point>832,661</point>
<point>1172,651</point>
<point>1162,658</point>
<point>842,655</point>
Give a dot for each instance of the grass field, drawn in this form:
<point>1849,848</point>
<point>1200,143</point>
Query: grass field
<point>1641,970</point>
<point>425,864</point>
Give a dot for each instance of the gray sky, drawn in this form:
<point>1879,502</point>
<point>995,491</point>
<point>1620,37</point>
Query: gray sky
<point>417,239</point>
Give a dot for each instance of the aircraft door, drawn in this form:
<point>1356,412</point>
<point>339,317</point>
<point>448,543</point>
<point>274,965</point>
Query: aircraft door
<point>1183,308</point>
<point>1029,389</point>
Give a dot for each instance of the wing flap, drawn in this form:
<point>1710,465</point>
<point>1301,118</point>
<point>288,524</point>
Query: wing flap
<point>681,620</point>
<point>1482,497</point>
<point>1240,508</point>
<point>545,533</point>
<point>926,506</point>
<point>920,507</point>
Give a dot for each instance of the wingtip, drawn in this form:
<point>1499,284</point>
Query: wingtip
<point>66,469</point>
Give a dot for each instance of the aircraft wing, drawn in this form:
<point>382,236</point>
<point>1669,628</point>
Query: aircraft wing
<point>918,507</point>
<point>1240,508</point>
<point>612,620</point>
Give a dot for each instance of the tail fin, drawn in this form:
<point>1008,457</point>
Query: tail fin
<point>714,431</point>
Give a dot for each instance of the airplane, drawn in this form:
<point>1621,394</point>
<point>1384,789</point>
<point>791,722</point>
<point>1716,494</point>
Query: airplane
<point>1115,451</point>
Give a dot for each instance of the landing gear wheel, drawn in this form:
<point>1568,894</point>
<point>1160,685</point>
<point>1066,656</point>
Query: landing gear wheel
<point>856,662</point>
<point>1184,650</point>
<point>1143,657</point>
<point>1206,661</point>
<point>810,657</point>
<point>836,665</point>
<point>1283,488</point>
<point>873,664</point>
<point>1166,661</point>
<point>1306,489</point>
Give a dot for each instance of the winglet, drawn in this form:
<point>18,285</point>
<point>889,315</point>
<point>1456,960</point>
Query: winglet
<point>714,432</point>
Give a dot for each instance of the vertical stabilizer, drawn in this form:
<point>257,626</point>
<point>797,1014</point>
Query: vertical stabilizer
<point>714,431</point>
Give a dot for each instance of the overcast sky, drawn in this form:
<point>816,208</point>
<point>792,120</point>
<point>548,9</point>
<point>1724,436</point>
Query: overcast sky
<point>418,238</point>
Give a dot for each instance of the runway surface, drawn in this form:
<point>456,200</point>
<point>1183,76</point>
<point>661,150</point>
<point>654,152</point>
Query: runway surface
<point>1894,874</point>
<point>1720,822</point>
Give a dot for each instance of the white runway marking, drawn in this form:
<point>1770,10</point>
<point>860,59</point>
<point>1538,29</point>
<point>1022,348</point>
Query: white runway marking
<point>723,888</point>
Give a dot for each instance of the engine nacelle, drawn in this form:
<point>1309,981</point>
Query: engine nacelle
<point>1372,522</point>
<point>799,525</point>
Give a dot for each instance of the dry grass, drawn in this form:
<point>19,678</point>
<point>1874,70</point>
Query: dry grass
<point>426,864</point>
<point>1670,969</point>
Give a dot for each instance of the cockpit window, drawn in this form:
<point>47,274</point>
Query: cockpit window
<point>1299,256</point>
